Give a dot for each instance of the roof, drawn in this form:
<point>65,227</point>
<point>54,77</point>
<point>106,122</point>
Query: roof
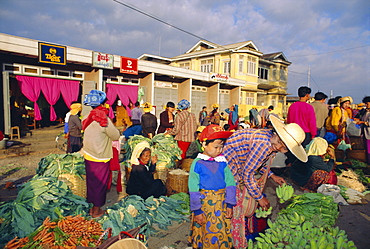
<point>276,57</point>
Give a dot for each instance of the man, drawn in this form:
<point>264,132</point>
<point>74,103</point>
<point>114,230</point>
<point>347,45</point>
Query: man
<point>321,112</point>
<point>303,114</point>
<point>203,117</point>
<point>247,152</point>
<point>184,127</point>
<point>136,114</point>
<point>264,114</point>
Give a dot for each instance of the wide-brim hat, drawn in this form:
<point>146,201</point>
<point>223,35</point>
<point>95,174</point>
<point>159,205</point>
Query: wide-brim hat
<point>183,104</point>
<point>292,135</point>
<point>361,105</point>
<point>344,99</point>
<point>147,107</point>
<point>213,131</point>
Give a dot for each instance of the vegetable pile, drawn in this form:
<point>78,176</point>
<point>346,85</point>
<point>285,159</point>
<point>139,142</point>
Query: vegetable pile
<point>65,232</point>
<point>37,199</point>
<point>54,165</point>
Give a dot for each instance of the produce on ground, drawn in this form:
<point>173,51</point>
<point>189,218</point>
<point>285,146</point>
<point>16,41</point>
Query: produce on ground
<point>184,207</point>
<point>284,192</point>
<point>352,196</point>
<point>349,179</point>
<point>54,165</point>
<point>263,213</point>
<point>64,232</point>
<point>132,211</point>
<point>37,199</point>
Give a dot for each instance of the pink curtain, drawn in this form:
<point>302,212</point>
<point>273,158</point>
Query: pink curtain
<point>51,88</point>
<point>125,93</point>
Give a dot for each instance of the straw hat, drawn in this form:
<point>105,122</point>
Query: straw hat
<point>344,99</point>
<point>292,136</point>
<point>214,106</point>
<point>147,107</point>
<point>360,106</point>
<point>75,108</point>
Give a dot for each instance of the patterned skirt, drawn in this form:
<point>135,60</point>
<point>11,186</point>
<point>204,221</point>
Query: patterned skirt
<point>215,233</point>
<point>317,178</point>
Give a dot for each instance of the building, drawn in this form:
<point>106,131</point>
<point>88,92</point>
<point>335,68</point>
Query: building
<point>208,73</point>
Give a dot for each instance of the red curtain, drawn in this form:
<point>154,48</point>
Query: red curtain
<point>125,93</point>
<point>51,88</point>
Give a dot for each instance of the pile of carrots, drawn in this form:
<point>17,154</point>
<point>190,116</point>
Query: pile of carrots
<point>67,232</point>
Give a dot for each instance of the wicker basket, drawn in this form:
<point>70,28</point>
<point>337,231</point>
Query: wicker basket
<point>176,184</point>
<point>186,164</point>
<point>75,183</point>
<point>359,155</point>
<point>161,173</point>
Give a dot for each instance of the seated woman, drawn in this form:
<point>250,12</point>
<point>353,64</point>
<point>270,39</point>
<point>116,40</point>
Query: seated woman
<point>141,181</point>
<point>315,171</point>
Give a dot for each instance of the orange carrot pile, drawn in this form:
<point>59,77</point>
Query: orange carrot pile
<point>67,232</point>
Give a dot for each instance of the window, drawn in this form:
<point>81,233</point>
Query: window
<point>261,99</point>
<point>206,66</point>
<point>283,74</point>
<point>249,98</point>
<point>240,68</point>
<point>227,67</point>
<point>251,67</point>
<point>185,65</point>
<point>263,73</point>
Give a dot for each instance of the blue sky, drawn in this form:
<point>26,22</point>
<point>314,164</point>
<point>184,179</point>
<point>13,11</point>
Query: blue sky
<point>332,37</point>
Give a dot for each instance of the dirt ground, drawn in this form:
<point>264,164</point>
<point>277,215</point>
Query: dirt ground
<point>18,163</point>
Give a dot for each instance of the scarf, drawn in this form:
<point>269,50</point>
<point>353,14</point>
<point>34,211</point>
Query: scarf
<point>99,114</point>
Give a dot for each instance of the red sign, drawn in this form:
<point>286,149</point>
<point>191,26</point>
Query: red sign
<point>129,65</point>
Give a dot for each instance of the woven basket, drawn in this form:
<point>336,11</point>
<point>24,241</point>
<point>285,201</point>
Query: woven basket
<point>176,184</point>
<point>75,183</point>
<point>161,173</point>
<point>186,164</point>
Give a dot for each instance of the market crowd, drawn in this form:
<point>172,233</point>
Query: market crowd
<point>227,152</point>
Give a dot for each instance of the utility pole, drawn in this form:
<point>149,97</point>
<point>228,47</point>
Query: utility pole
<point>308,76</point>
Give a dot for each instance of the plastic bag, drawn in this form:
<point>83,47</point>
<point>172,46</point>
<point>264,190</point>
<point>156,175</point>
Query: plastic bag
<point>343,146</point>
<point>354,129</point>
<point>333,190</point>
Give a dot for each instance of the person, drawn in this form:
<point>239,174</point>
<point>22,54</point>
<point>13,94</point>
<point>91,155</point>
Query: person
<point>264,115</point>
<point>212,192</point>
<point>321,112</point>
<point>243,125</point>
<point>99,132</point>
<point>203,121</point>
<point>315,171</point>
<point>136,114</point>
<point>141,181</point>
<point>195,147</point>
<point>184,127</point>
<point>247,152</point>
<point>74,128</point>
<point>148,121</point>
<point>226,127</point>
<point>214,117</point>
<point>233,120</point>
<point>303,114</point>
<point>365,129</point>
<point>166,118</point>
<point>253,117</point>
<point>132,130</point>
<point>337,121</point>
<point>360,111</point>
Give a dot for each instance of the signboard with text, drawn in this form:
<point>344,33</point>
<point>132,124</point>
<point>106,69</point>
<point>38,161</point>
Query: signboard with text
<point>102,60</point>
<point>217,77</point>
<point>52,54</point>
<point>129,65</point>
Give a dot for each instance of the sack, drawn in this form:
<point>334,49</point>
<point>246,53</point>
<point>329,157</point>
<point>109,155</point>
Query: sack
<point>333,190</point>
<point>354,129</point>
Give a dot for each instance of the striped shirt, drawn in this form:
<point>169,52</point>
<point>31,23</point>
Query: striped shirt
<point>184,127</point>
<point>246,151</point>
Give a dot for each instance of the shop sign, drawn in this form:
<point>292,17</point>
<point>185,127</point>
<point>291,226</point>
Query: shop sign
<point>129,65</point>
<point>163,84</point>
<point>102,60</point>
<point>217,77</point>
<point>52,54</point>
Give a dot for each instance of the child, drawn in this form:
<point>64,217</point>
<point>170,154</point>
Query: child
<point>141,181</point>
<point>212,192</point>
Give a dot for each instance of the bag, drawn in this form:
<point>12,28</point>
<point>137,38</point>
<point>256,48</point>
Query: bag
<point>333,178</point>
<point>354,129</point>
<point>343,146</point>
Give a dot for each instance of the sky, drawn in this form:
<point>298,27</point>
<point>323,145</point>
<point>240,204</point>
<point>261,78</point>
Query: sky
<point>328,38</point>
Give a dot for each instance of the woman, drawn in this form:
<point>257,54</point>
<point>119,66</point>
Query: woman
<point>99,132</point>
<point>337,121</point>
<point>148,121</point>
<point>141,181</point>
<point>166,118</point>
<point>214,117</point>
<point>365,123</point>
<point>74,128</point>
<point>233,120</point>
<point>315,171</point>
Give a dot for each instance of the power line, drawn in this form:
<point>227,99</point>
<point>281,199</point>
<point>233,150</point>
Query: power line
<point>330,52</point>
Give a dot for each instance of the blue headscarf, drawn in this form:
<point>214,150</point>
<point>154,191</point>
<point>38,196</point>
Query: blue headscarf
<point>183,104</point>
<point>95,98</point>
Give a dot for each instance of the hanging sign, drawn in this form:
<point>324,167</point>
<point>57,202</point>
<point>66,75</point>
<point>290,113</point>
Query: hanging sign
<point>223,78</point>
<point>102,60</point>
<point>52,54</point>
<point>129,65</point>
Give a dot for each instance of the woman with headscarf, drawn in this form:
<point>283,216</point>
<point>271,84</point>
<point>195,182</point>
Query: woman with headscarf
<point>148,121</point>
<point>214,117</point>
<point>166,118</point>
<point>337,121</point>
<point>99,132</point>
<point>315,171</point>
<point>74,128</point>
